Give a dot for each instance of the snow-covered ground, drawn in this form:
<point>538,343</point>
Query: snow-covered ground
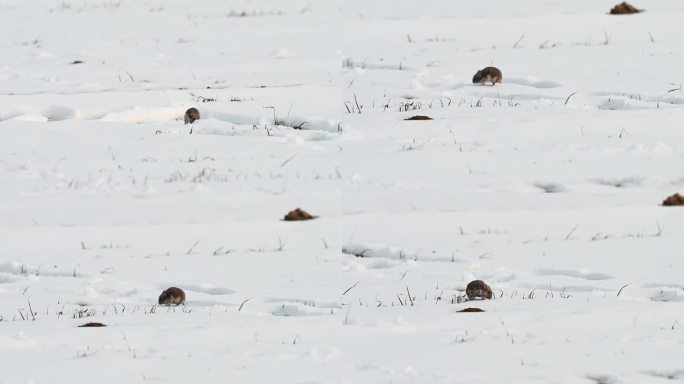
<point>546,186</point>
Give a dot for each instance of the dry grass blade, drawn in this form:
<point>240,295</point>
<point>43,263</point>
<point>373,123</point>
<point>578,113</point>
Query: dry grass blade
<point>243,303</point>
<point>350,288</point>
<point>568,98</point>
<point>620,291</point>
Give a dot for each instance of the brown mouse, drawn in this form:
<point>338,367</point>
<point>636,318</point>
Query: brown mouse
<point>191,115</point>
<point>477,289</point>
<point>488,74</point>
<point>172,296</point>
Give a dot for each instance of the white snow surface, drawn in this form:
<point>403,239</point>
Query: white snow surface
<point>546,186</point>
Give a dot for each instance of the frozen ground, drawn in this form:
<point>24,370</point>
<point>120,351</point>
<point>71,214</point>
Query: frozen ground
<point>553,200</point>
<point>546,186</point>
<point>106,199</point>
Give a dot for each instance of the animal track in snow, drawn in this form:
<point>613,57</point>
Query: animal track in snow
<point>669,294</point>
<point>305,302</point>
<point>19,269</point>
<point>169,115</point>
<point>532,82</point>
<point>300,310</point>
<point>395,253</point>
<point>551,187</point>
<point>579,274</point>
<point>625,182</point>
<point>202,288</point>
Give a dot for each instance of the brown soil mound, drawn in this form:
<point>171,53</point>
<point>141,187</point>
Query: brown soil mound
<point>88,325</point>
<point>298,215</point>
<point>624,8</point>
<point>471,310</point>
<point>419,117</point>
<point>673,200</point>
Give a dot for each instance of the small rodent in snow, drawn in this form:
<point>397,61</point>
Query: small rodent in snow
<point>477,289</point>
<point>486,75</point>
<point>172,296</point>
<point>191,115</point>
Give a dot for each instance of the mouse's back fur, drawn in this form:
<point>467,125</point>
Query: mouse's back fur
<point>172,296</point>
<point>487,75</point>
<point>477,289</point>
<point>191,115</point>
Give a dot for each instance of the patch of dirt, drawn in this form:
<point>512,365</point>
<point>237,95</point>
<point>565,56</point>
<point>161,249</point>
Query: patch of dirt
<point>419,117</point>
<point>298,215</point>
<point>674,200</point>
<point>471,310</point>
<point>91,325</point>
<point>624,8</point>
